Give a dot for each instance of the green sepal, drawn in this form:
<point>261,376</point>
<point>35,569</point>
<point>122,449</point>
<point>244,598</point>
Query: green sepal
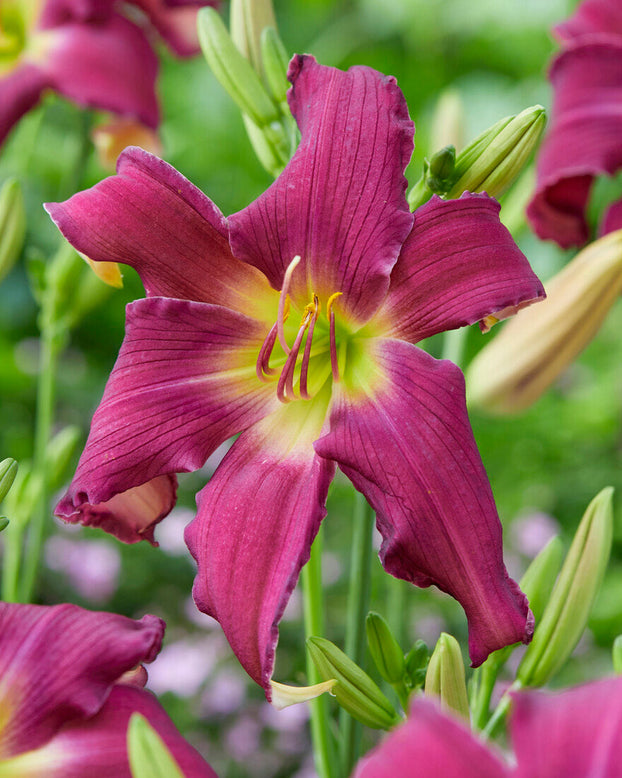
<point>441,170</point>
<point>416,664</point>
<point>12,225</point>
<point>384,648</point>
<point>148,755</point>
<point>8,471</point>
<point>355,691</point>
<point>567,611</point>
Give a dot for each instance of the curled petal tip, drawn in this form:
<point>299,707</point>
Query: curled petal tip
<point>284,695</point>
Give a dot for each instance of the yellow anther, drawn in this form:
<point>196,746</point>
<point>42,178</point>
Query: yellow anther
<point>311,309</point>
<point>330,302</point>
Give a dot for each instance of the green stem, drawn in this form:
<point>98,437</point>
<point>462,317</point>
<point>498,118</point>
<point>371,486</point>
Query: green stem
<point>486,678</point>
<point>45,411</point>
<point>350,730</point>
<point>12,537</point>
<point>323,746</point>
<point>501,711</point>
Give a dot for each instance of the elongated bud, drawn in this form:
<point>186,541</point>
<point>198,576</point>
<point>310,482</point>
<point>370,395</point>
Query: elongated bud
<point>539,578</point>
<point>417,663</point>
<point>233,70</point>
<point>147,753</point>
<point>8,471</point>
<point>355,691</point>
<point>493,161</point>
<point>445,676</point>
<point>12,225</point>
<point>518,366</point>
<point>4,523</point>
<point>275,62</point>
<point>617,655</point>
<point>249,18</point>
<point>566,614</point>
<point>384,648</point>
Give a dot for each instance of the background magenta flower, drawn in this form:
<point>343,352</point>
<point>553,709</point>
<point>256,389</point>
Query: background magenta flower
<point>91,51</point>
<point>583,138</point>
<point>68,690</point>
<point>212,352</point>
<point>575,733</point>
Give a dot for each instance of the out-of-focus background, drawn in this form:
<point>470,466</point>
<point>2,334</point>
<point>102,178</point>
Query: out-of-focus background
<point>544,466</point>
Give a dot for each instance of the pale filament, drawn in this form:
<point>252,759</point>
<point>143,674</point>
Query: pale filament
<point>285,387</point>
<point>280,319</point>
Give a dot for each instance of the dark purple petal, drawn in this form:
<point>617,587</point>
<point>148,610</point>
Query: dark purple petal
<point>58,12</point>
<point>256,521</point>
<point>408,446</point>
<point>58,663</point>
<point>20,91</point>
<point>430,744</point>
<point>183,383</point>
<point>97,748</point>
<point>583,139</point>
<point>613,219</point>
<point>340,202</point>
<point>592,17</point>
<point>572,733</point>
<point>458,265</point>
<point>150,217</point>
<point>108,65</point>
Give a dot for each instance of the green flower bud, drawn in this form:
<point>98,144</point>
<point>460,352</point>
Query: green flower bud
<point>568,609</point>
<point>248,20</point>
<point>445,676</point>
<point>355,691</point>
<point>233,70</point>
<point>441,170</point>
<point>4,523</point>
<point>384,648</point>
<point>493,161</point>
<point>148,755</point>
<point>416,664</point>
<point>617,655</point>
<point>275,64</point>
<point>12,225</point>
<point>8,471</point>
<point>539,578</point>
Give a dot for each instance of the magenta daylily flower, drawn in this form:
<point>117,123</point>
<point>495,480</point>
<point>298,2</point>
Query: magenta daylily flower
<point>94,52</point>
<point>574,733</point>
<point>294,323</point>
<point>70,680</point>
<point>583,139</point>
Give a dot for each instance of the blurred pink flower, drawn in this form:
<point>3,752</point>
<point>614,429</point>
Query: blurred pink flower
<point>92,566</point>
<point>97,53</point>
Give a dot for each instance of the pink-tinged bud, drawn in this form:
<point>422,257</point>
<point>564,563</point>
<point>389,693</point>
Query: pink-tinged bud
<point>523,360</point>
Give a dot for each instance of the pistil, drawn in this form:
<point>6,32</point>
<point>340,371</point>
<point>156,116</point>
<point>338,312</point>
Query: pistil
<point>334,362</point>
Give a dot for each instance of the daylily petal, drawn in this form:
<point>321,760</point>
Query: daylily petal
<point>178,26</point>
<point>574,732</point>
<point>592,16</point>
<point>583,139</point>
<point>183,383</point>
<point>431,744</point>
<point>339,204</point>
<point>612,220</point>
<point>59,662</point>
<point>257,518</point>
<point>109,65</point>
<point>97,748</point>
<point>408,446</point>
<point>458,265</point>
<point>57,12</point>
<point>20,91</point>
<point>150,217</point>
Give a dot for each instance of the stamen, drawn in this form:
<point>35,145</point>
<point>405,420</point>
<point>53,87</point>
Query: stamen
<point>285,387</point>
<point>262,367</point>
<point>282,302</point>
<point>334,362</point>
<point>304,365</point>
